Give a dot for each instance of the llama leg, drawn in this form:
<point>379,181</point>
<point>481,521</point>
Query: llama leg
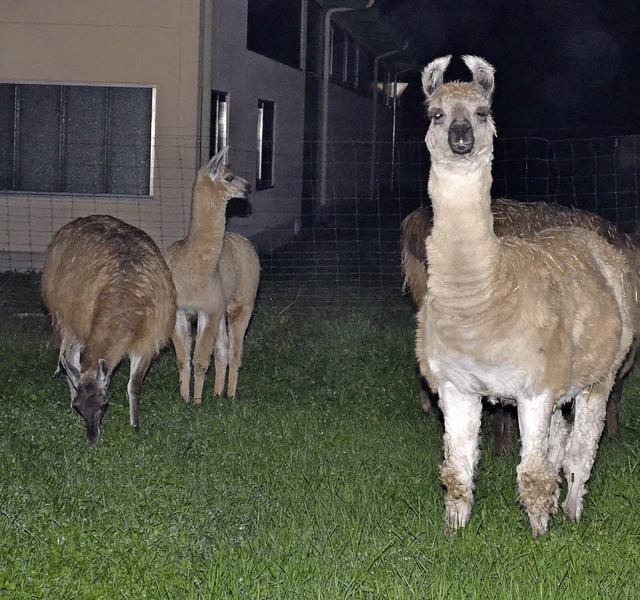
<point>428,399</point>
<point>537,480</point>
<point>613,403</point>
<point>588,422</point>
<point>205,337</point>
<point>613,412</point>
<point>181,339</point>
<point>461,452</point>
<point>138,369</point>
<point>221,357</point>
<point>239,317</point>
<point>558,431</point>
<point>501,429</point>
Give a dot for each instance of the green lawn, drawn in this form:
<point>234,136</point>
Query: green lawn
<point>318,481</point>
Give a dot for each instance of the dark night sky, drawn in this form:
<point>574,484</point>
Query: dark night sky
<point>564,68</point>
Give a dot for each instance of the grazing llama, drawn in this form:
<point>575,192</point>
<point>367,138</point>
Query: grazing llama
<point>520,219</point>
<point>216,276</point>
<point>110,294</point>
<point>537,322</point>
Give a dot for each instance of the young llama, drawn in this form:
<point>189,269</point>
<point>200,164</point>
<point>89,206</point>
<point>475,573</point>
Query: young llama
<point>216,274</point>
<point>536,322</point>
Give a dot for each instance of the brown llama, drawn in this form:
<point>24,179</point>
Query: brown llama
<point>538,322</point>
<point>110,294</point>
<point>519,219</point>
<point>216,276</point>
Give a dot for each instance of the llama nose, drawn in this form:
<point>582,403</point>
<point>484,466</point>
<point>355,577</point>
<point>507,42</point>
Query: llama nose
<point>461,137</point>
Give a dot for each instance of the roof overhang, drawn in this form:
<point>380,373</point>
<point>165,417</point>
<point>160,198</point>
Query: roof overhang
<point>373,31</point>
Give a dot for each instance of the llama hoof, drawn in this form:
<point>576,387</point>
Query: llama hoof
<point>136,428</point>
<point>197,401</point>
<point>572,510</point>
<point>456,516</point>
<point>539,525</point>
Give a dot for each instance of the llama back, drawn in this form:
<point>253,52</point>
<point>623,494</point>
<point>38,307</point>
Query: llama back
<point>511,218</point>
<point>239,267</point>
<point>108,288</point>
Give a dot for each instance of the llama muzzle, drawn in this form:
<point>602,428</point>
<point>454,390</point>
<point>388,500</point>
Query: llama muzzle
<point>461,138</point>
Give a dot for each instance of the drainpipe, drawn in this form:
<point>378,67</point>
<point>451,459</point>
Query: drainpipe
<point>324,106</point>
<point>204,82</point>
<point>395,117</point>
<point>374,119</point>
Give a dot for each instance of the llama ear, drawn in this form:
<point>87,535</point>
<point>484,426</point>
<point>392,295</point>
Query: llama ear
<point>103,376</point>
<point>73,375</point>
<point>218,160</point>
<point>433,75</point>
<point>482,73</point>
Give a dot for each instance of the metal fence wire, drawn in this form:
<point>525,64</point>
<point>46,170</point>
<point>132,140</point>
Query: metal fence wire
<point>347,251</point>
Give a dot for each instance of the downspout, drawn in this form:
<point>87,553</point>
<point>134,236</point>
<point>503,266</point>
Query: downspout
<point>395,117</point>
<point>324,105</point>
<point>374,119</point>
<point>204,82</point>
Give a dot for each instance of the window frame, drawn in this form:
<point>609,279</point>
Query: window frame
<point>218,138</point>
<point>265,158</point>
<point>61,124</point>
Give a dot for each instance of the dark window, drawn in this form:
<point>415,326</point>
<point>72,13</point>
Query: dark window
<point>75,139</point>
<point>352,64</point>
<point>273,29</point>
<point>266,130</point>
<point>338,54</point>
<point>219,121</point>
<point>365,71</point>
<point>314,38</point>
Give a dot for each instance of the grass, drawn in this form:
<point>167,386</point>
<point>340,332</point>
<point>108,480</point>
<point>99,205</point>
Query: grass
<point>318,481</point>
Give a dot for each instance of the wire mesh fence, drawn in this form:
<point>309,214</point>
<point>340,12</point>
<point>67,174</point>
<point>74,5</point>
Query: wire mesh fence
<point>346,249</point>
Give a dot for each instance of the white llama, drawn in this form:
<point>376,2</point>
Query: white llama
<point>537,322</point>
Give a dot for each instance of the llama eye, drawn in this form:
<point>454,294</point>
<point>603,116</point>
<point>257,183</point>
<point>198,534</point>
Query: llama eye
<point>483,112</point>
<point>437,116</point>
<point>229,178</point>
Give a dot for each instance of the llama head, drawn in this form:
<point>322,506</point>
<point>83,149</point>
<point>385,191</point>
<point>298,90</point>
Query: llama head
<point>220,181</point>
<point>461,128</point>
<point>89,395</point>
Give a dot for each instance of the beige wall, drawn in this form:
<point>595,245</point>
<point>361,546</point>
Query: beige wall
<point>148,42</point>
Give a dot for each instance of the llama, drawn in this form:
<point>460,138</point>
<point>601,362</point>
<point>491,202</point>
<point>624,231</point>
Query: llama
<point>109,293</point>
<point>536,322</point>
<point>216,276</point>
<point>518,219</point>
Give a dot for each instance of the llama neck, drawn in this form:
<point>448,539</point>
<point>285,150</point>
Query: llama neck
<point>207,227</point>
<point>464,253</point>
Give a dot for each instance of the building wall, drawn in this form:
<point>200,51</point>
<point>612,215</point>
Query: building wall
<point>248,77</point>
<point>159,43</point>
<point>155,43</point>
<point>352,168</point>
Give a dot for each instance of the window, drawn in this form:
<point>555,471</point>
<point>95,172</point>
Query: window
<point>274,29</point>
<point>365,71</point>
<point>76,139</point>
<point>219,136</point>
<point>351,65</point>
<point>338,52</point>
<point>266,127</point>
